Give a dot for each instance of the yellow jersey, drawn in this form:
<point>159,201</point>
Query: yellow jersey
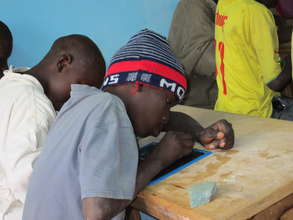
<point>247,57</point>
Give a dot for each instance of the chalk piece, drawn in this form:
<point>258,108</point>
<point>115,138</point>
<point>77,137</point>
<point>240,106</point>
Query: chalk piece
<point>201,193</point>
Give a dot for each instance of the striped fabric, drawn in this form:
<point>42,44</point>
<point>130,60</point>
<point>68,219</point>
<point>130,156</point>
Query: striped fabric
<point>147,59</point>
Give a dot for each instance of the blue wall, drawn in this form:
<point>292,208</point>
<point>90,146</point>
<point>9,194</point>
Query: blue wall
<point>35,24</point>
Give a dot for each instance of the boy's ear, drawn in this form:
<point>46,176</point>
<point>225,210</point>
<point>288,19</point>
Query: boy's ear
<point>63,61</point>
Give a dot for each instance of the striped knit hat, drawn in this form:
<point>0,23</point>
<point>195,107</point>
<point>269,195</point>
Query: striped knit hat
<point>147,59</point>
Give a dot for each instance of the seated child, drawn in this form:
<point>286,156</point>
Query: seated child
<point>28,101</point>
<point>89,167</point>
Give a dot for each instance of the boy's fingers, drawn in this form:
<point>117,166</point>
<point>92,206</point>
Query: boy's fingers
<point>210,146</point>
<point>213,145</point>
<point>220,135</point>
<point>208,135</point>
<point>222,143</point>
<point>222,125</point>
<point>216,144</point>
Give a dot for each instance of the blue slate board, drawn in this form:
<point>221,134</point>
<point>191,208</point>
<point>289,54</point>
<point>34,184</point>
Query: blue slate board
<point>177,166</point>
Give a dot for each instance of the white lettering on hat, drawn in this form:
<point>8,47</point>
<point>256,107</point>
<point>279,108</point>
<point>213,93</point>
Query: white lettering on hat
<point>132,77</point>
<point>146,77</point>
<point>180,92</point>
<point>105,81</point>
<point>113,79</point>
<point>165,84</point>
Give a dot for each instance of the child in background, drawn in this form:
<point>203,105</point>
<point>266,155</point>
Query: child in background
<point>249,71</point>
<point>191,37</point>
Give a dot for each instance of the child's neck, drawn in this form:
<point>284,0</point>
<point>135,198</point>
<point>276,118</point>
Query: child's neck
<point>3,64</point>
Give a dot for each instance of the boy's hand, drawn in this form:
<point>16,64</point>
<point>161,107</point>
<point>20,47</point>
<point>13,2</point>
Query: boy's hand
<point>174,146</point>
<point>218,135</point>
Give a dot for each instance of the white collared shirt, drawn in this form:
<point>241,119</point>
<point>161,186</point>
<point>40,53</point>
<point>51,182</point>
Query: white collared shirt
<point>25,117</point>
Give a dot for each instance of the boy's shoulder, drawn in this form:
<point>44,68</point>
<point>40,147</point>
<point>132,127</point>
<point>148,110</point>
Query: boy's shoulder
<point>18,82</point>
<point>256,6</point>
<point>106,101</point>
<point>91,101</point>
<point>244,4</point>
<point>20,87</point>
<point>107,110</point>
<point>99,97</point>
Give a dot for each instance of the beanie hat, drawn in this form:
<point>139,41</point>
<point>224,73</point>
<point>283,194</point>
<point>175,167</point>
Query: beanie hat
<point>148,60</point>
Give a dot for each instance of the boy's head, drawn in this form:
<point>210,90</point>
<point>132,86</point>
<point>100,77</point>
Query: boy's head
<point>73,59</point>
<point>146,75</point>
<point>5,46</point>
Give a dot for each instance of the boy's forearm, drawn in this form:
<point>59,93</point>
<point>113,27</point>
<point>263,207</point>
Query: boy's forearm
<point>97,208</point>
<point>184,123</point>
<point>147,170</point>
<point>283,79</point>
<point>103,208</point>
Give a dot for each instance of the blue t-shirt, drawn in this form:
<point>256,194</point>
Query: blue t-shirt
<point>90,151</point>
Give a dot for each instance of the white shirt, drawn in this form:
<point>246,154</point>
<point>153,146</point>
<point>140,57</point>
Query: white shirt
<point>25,117</point>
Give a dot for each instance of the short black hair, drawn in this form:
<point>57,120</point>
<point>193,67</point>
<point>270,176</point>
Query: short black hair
<point>6,41</point>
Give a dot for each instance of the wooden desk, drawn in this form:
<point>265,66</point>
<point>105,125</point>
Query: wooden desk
<point>251,177</point>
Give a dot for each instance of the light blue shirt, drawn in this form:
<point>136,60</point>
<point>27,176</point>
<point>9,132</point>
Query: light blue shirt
<point>90,151</point>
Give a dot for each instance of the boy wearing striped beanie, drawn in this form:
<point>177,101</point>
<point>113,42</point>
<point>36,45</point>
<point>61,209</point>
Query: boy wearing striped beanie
<point>94,136</point>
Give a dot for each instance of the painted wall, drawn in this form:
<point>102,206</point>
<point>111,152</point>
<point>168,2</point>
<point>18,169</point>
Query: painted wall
<point>35,24</point>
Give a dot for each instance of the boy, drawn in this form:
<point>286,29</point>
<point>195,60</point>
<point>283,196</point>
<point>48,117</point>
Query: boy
<point>249,72</point>
<point>28,102</point>
<point>90,158</point>
<point>5,47</point>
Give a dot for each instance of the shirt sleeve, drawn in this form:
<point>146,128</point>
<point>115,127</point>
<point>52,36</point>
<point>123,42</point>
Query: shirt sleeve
<point>109,156</point>
<point>31,117</point>
<point>265,41</point>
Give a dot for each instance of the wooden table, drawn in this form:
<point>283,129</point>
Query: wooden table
<point>252,178</point>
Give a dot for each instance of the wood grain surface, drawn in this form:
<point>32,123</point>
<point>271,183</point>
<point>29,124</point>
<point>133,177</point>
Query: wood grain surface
<point>254,175</point>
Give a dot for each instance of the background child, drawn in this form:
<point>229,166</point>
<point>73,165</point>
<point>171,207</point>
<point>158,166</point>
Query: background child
<point>249,72</point>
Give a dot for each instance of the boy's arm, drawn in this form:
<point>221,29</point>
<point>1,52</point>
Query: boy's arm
<point>284,78</point>
<point>172,147</point>
<point>218,135</point>
<point>266,46</point>
<point>184,123</point>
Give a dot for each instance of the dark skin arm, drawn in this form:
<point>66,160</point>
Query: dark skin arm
<point>284,78</point>
<point>172,147</point>
<point>284,30</point>
<point>218,135</point>
<point>182,122</point>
